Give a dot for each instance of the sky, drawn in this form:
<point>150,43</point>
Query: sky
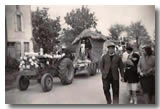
<point>108,15</point>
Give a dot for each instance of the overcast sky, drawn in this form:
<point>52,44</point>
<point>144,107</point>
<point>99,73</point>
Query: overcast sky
<point>108,15</point>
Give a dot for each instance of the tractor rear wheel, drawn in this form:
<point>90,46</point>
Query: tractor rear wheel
<point>47,82</point>
<point>66,71</point>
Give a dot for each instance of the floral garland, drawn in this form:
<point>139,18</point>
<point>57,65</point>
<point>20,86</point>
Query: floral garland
<point>28,62</point>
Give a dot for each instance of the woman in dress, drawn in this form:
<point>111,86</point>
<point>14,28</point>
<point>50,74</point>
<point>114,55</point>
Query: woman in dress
<point>131,74</point>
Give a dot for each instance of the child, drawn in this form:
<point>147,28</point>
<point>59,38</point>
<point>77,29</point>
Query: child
<point>132,76</point>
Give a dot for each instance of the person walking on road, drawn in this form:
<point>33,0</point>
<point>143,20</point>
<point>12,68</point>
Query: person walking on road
<point>110,65</point>
<point>131,74</point>
<point>146,68</point>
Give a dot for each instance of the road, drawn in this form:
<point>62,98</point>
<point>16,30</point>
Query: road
<point>83,90</point>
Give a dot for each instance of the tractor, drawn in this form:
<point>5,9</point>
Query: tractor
<point>43,68</point>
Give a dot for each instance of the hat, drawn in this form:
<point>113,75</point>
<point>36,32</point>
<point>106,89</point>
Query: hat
<point>129,48</point>
<point>144,46</point>
<point>111,44</point>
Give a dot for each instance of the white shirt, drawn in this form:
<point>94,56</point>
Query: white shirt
<point>125,57</point>
<point>83,48</point>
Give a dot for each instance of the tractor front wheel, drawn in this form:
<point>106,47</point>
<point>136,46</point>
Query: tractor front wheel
<point>47,82</point>
<point>22,82</point>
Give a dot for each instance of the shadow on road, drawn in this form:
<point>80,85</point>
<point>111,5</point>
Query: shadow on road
<point>81,76</point>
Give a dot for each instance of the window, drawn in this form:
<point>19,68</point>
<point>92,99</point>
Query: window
<point>19,23</point>
<point>11,49</point>
<point>14,49</point>
<point>10,44</point>
<point>26,47</point>
<point>18,19</point>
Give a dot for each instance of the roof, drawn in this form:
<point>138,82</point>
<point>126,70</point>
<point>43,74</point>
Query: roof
<point>89,33</point>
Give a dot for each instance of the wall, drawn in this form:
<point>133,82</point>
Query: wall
<point>19,36</point>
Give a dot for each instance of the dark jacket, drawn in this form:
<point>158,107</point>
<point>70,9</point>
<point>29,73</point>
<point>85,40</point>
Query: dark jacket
<point>131,74</point>
<point>116,65</point>
<point>68,54</point>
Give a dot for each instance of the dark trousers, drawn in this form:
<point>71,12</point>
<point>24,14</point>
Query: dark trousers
<point>115,89</point>
<point>148,87</point>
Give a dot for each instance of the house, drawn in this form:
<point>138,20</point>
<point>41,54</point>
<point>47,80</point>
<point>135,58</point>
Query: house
<point>18,30</point>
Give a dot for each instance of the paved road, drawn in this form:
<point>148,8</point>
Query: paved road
<point>83,90</point>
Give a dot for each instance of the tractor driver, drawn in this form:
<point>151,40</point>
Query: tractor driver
<point>66,52</point>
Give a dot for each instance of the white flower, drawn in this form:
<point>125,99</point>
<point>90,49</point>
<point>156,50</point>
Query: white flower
<point>32,63</point>
<point>28,66</point>
<point>25,58</point>
<point>20,66</point>
<point>47,62</point>
<point>63,54</point>
<point>33,57</point>
<point>24,67</point>
<point>21,58</point>
<point>48,55</point>
<point>36,65</point>
<point>22,62</point>
<point>30,60</point>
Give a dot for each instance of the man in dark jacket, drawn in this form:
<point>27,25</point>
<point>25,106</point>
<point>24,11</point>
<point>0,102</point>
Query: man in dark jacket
<point>110,66</point>
<point>67,53</point>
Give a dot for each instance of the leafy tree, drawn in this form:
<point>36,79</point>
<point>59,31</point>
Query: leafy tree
<point>45,30</point>
<point>80,19</point>
<point>68,36</point>
<point>138,32</point>
<point>115,30</point>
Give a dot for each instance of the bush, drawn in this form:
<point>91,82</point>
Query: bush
<point>12,64</point>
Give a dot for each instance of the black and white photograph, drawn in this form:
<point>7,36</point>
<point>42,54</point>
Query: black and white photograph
<point>80,54</point>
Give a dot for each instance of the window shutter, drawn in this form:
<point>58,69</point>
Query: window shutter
<point>22,23</point>
<point>15,22</point>
<point>26,47</point>
<point>18,50</point>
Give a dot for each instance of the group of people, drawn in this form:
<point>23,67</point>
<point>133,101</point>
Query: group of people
<point>136,68</point>
<point>85,49</point>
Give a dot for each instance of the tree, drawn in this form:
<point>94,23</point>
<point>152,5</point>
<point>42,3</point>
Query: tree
<point>138,32</point>
<point>68,36</point>
<point>45,30</point>
<point>115,30</point>
<point>81,19</point>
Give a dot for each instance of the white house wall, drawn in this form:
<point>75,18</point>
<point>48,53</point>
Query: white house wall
<point>19,36</point>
